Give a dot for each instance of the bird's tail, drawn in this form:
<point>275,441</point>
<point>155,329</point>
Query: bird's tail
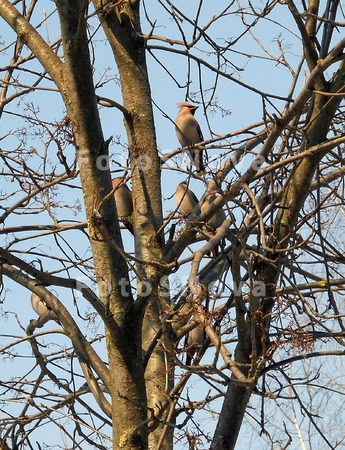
<point>199,162</point>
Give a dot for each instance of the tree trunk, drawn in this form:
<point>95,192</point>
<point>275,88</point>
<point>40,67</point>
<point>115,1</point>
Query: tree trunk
<point>122,28</point>
<point>123,339</point>
<point>295,192</point>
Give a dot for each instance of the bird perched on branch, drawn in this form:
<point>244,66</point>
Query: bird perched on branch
<point>195,341</point>
<point>216,220</point>
<point>43,311</point>
<point>197,336</point>
<point>189,134</point>
<point>186,200</point>
<point>124,202</point>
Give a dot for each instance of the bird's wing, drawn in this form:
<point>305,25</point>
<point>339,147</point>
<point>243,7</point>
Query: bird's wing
<point>199,132</point>
<point>194,197</point>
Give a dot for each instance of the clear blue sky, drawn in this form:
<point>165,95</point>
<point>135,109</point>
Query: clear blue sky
<point>244,105</point>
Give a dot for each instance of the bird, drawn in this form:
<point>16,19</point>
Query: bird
<point>195,340</point>
<point>43,311</point>
<point>186,201</point>
<point>189,133</point>
<point>124,202</point>
<point>197,336</point>
<point>216,220</point>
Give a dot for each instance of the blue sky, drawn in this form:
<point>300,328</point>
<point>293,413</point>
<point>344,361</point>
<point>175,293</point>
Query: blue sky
<point>244,106</point>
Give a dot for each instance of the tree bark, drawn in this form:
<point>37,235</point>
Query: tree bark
<point>295,192</point>
<point>122,28</point>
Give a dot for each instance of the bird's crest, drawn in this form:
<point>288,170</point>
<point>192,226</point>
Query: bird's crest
<point>187,105</point>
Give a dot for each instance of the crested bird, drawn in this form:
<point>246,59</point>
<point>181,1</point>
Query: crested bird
<point>197,336</point>
<point>124,202</point>
<point>186,200</point>
<point>189,133</point>
<point>216,220</point>
<point>195,340</point>
<point>40,307</point>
